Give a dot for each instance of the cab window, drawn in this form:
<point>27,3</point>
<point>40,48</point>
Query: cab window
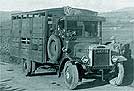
<point>83,28</point>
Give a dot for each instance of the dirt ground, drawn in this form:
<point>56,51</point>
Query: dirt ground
<point>13,79</point>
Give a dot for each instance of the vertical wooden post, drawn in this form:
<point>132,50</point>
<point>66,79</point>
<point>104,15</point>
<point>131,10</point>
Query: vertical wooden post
<point>101,32</point>
<point>98,29</point>
<point>20,30</point>
<point>30,41</point>
<point>45,37</point>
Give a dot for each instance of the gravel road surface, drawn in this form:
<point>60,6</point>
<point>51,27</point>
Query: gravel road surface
<point>13,79</point>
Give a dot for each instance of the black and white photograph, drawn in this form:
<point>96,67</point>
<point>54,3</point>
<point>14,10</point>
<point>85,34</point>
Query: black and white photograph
<point>66,45</point>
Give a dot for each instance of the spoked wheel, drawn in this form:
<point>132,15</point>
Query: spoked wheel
<point>120,75</point>
<point>27,67</point>
<point>71,76</point>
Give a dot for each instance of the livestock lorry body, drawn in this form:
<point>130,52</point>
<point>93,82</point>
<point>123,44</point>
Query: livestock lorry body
<point>67,39</point>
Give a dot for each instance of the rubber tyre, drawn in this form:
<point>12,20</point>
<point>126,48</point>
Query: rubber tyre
<point>54,47</point>
<point>120,75</point>
<point>27,67</point>
<point>71,76</point>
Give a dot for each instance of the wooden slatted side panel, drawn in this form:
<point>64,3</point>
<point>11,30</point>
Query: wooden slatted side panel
<point>37,40</point>
<point>29,38</point>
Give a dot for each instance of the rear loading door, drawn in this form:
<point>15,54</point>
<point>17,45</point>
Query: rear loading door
<point>28,38</point>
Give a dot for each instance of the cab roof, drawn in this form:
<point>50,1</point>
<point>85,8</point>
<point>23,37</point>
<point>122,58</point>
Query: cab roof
<point>84,18</point>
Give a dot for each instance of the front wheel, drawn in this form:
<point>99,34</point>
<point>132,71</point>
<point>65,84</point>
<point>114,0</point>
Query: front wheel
<point>120,75</point>
<point>71,76</point>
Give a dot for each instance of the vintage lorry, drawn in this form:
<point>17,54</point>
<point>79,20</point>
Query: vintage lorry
<point>66,39</point>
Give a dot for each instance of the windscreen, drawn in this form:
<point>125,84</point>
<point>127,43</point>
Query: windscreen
<point>83,28</point>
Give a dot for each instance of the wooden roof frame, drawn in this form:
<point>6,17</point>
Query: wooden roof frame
<point>41,12</point>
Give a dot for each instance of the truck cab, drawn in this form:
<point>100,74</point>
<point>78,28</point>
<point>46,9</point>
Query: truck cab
<point>77,33</point>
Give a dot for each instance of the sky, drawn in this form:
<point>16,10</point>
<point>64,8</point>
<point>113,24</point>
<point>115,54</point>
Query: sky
<point>97,5</point>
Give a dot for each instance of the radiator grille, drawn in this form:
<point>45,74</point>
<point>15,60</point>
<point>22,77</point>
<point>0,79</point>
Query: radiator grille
<point>101,57</point>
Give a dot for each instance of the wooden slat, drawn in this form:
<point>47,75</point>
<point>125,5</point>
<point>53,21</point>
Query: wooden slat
<point>37,35</point>
<point>36,41</point>
<point>15,39</point>
<point>15,28</point>
<point>15,44</point>
<point>24,53</point>
<point>24,45</point>
<point>14,51</point>
<point>25,28</point>
<point>37,25</point>
<point>36,55</point>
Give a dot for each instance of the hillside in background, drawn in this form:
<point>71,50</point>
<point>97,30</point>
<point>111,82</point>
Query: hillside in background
<point>119,23</point>
<point>6,15</point>
<point>5,23</point>
<point>125,15</point>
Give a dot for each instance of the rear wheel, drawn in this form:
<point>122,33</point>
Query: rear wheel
<point>120,75</point>
<point>71,76</point>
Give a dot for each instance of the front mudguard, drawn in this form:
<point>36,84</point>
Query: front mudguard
<point>64,59</point>
<point>118,59</point>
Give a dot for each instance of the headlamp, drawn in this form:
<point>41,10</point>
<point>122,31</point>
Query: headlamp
<point>114,59</point>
